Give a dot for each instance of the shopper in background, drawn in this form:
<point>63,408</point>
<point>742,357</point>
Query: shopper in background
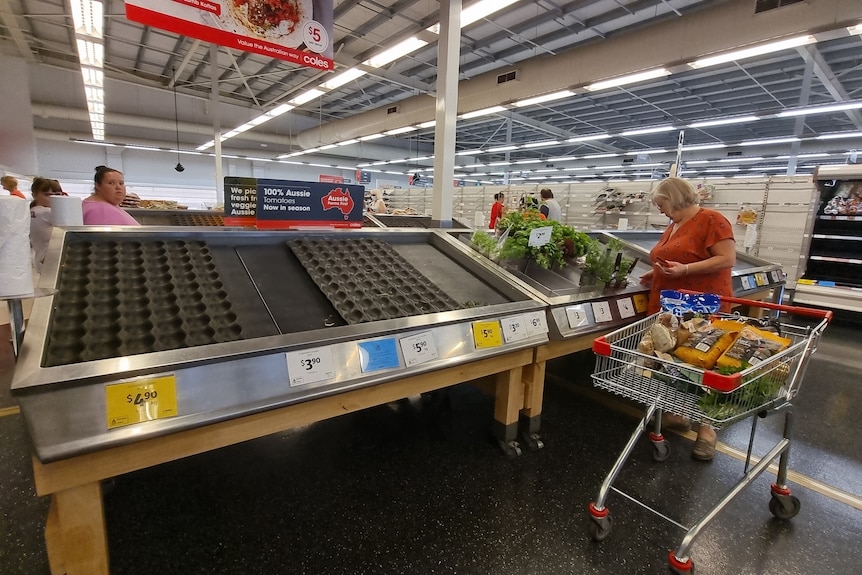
<point>40,217</point>
<point>696,252</point>
<point>10,184</point>
<point>498,210</point>
<point>378,206</point>
<point>550,207</point>
<point>102,208</point>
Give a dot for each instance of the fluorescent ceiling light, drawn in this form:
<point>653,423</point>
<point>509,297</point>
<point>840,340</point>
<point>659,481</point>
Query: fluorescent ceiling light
<point>629,79</point>
<point>474,166</point>
<point>87,16</point>
<point>562,159</point>
<point>588,138</point>
<point>348,142</point>
<point>541,144</point>
<point>306,97</point>
<point>501,149</point>
<point>206,146</point>
<point>520,162</point>
<point>608,167</point>
<point>753,51</point>
<point>857,29</point>
<point>703,147</point>
<point>429,124</point>
<point>402,130</point>
<point>723,121</point>
<point>544,98</point>
<point>370,137</point>
<point>397,51</point>
<point>767,142</point>
<point>546,171</point>
<point>840,135</point>
<point>697,162</point>
<point>482,9</point>
<point>93,76</point>
<point>482,112</point>
<point>328,147</point>
<point>734,160</point>
<point>343,78</point>
<point>498,164</point>
<point>653,130</point>
<point>639,152</point>
<point>591,156</point>
<point>468,152</point>
<point>575,169</point>
<point>728,169</point>
<point>90,53</point>
<point>820,109</point>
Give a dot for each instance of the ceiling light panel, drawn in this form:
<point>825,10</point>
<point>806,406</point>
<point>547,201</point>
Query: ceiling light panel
<point>752,51</point>
<point>629,79</point>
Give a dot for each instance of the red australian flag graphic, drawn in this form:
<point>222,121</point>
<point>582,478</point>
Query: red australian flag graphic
<point>338,199</point>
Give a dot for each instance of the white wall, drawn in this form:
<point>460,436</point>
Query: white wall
<point>151,174</point>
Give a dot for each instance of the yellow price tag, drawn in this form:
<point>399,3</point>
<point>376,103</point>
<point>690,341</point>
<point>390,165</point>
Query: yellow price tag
<point>487,334</point>
<point>141,400</point>
<point>641,302</point>
<point>806,282</point>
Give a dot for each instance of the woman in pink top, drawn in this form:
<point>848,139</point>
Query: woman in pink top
<point>102,208</point>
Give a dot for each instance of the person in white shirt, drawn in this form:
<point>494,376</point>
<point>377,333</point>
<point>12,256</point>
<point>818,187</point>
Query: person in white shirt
<point>550,208</point>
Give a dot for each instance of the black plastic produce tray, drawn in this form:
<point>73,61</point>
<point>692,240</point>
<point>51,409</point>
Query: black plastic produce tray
<point>367,280</point>
<point>120,298</point>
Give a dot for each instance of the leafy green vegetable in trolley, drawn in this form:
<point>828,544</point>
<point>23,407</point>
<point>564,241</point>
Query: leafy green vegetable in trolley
<point>758,388</point>
<point>565,242</point>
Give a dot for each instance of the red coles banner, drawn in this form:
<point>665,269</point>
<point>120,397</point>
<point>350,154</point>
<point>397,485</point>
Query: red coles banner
<point>298,31</point>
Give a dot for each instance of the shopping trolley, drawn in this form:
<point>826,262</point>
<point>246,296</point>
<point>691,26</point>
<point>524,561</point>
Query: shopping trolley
<point>707,397</point>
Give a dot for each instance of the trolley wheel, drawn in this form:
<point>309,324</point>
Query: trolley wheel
<point>679,566</point>
<point>661,451</point>
<point>510,449</point>
<point>532,441</point>
<point>600,527</point>
<point>784,506</point>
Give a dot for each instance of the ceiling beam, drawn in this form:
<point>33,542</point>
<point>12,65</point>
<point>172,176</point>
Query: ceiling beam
<point>827,77</point>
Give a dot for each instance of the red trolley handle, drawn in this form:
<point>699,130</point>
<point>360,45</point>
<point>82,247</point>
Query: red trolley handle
<point>810,312</point>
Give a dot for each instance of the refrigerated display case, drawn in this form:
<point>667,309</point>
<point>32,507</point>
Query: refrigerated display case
<point>831,276</point>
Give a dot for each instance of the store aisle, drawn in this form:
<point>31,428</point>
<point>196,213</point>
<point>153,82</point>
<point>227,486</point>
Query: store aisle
<point>407,488</point>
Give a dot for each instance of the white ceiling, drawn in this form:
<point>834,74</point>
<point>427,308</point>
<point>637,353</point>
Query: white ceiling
<point>552,43</point>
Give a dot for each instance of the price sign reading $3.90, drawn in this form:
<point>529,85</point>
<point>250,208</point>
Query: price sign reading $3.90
<point>310,365</point>
<point>141,400</point>
<point>418,348</point>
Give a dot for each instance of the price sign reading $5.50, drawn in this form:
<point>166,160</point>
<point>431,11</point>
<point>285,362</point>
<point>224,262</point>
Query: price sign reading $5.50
<point>487,334</point>
<point>418,348</point>
<point>310,365</point>
<point>141,400</point>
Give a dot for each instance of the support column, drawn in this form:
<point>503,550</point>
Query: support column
<point>446,114</point>
<point>214,73</point>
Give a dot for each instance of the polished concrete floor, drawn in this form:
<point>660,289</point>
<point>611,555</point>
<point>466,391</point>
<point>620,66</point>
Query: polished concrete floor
<point>411,488</point>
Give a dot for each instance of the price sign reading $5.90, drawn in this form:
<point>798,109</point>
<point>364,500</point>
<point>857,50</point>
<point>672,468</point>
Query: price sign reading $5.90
<point>418,348</point>
<point>487,334</point>
<point>141,400</point>
<point>310,365</point>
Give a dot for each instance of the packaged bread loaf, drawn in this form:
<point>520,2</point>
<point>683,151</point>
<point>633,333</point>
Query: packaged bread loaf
<point>751,347</point>
<point>703,347</point>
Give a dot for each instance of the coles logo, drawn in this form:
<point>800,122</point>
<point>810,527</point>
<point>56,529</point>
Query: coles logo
<point>338,199</point>
<point>315,61</point>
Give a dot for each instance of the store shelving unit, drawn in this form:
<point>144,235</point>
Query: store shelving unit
<point>832,265</point>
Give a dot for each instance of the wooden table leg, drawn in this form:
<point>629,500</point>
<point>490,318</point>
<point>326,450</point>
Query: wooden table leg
<point>508,401</point>
<point>75,535</point>
<point>534,391</point>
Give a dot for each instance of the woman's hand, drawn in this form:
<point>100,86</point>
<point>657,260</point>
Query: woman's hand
<point>672,269</point>
<point>646,279</point>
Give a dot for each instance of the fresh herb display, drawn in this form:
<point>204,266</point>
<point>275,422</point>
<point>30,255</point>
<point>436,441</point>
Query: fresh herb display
<point>601,261</point>
<point>566,242</point>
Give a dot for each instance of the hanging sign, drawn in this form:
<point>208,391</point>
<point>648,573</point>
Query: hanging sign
<point>240,201</point>
<point>297,31</point>
<point>286,204</point>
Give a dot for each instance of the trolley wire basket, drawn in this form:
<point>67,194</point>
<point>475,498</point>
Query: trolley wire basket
<point>708,397</point>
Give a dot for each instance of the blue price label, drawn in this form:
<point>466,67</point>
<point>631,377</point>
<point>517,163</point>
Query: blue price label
<point>378,354</point>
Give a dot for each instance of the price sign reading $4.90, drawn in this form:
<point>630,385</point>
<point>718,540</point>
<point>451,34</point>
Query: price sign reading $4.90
<point>310,365</point>
<point>141,400</point>
<point>418,348</point>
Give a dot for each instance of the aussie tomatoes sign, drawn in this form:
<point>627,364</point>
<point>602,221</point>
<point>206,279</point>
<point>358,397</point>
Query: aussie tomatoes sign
<point>298,31</point>
<point>285,204</point>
